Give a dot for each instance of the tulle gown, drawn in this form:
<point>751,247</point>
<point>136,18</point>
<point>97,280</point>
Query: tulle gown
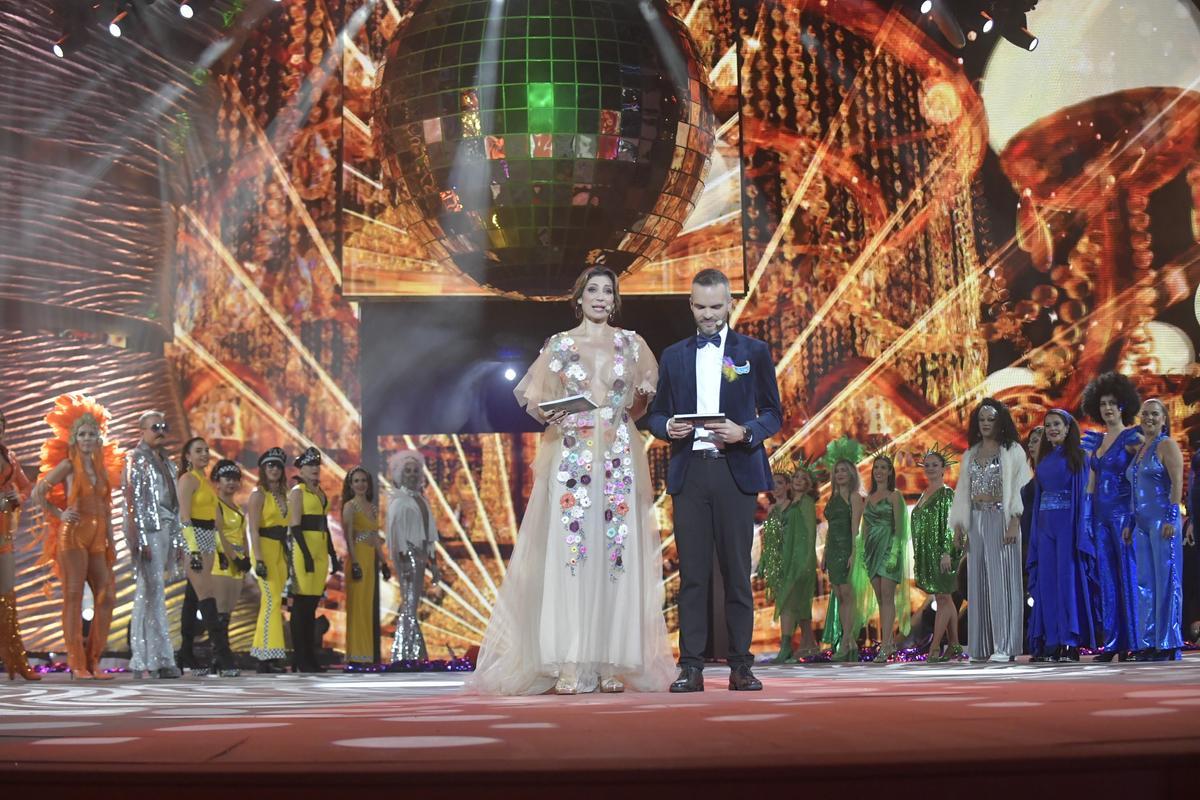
<point>583,593</point>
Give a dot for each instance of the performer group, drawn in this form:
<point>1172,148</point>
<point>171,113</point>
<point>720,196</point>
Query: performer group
<point>182,518</point>
<point>1069,542</point>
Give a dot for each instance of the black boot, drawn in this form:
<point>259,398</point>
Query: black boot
<point>222,659</point>
<point>230,668</point>
<point>296,627</point>
<point>187,629</point>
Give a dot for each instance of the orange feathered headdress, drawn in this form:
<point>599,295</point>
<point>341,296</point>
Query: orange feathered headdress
<point>70,413</point>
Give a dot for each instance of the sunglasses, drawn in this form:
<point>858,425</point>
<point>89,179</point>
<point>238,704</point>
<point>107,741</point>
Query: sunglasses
<point>160,427</point>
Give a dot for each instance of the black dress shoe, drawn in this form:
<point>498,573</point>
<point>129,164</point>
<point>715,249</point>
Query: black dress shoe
<point>1106,657</point>
<point>691,679</point>
<point>741,679</point>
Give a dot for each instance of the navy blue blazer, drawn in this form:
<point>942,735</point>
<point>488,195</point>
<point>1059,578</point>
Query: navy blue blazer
<point>752,400</point>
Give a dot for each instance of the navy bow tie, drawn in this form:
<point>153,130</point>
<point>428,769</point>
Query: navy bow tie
<point>714,340</point>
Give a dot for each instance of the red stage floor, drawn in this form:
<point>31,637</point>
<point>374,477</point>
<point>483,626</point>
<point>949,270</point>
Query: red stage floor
<point>887,730</point>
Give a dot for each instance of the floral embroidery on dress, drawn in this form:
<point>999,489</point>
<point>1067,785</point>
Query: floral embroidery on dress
<point>578,445</point>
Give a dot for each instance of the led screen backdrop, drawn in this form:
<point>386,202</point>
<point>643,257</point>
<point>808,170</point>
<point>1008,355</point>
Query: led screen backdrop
<point>193,226</point>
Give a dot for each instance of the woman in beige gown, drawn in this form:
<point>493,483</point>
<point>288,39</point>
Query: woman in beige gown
<point>581,606</point>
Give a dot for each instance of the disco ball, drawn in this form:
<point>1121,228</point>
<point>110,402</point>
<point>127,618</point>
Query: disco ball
<point>521,145</point>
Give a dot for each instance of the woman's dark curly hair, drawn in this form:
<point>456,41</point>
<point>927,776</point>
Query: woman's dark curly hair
<point>1115,385</point>
<point>1006,429</point>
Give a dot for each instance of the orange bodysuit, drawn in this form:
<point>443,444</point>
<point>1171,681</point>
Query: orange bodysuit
<point>11,477</point>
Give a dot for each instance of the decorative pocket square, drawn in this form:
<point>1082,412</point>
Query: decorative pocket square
<point>742,369</point>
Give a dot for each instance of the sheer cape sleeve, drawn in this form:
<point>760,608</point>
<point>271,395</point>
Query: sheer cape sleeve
<point>541,382</point>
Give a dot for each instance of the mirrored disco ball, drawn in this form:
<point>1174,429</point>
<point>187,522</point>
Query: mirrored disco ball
<point>524,139</point>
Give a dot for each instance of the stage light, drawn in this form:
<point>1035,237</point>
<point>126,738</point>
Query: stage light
<point>185,10</point>
<point>87,614</point>
<point>926,6</point>
<point>510,374</point>
<point>60,47</point>
<point>1015,30</point>
<point>988,22</point>
<point>114,27</point>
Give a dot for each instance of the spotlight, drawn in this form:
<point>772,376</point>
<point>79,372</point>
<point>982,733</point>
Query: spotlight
<point>1015,29</point>
<point>945,21</point>
<point>114,27</point>
<point>185,10</point>
<point>510,374</point>
<point>60,47</point>
<point>926,6</point>
<point>87,614</point>
<point>988,22</point>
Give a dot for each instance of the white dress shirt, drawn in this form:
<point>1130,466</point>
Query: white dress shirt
<point>708,388</point>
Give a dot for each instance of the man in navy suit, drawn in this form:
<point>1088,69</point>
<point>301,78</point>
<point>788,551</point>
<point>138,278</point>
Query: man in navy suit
<point>716,471</point>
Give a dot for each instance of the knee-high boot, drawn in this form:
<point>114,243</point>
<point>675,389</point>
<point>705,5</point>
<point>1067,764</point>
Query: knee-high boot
<point>297,627</point>
<point>12,649</point>
<point>230,669</point>
<point>187,628</point>
<point>222,659</point>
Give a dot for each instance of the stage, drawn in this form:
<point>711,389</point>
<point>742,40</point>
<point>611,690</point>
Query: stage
<point>890,730</point>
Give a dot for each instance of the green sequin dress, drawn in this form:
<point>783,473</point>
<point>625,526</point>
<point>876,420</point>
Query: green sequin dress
<point>932,539</point>
<point>839,545</point>
<point>839,540</point>
<point>788,563</point>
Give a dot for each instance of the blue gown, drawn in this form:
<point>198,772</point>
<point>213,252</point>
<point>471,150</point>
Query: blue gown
<point>1114,559</point>
<point>1061,565</point>
<point>1158,602</point>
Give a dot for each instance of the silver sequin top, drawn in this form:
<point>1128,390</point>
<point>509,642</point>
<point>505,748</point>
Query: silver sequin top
<point>986,478</point>
<point>150,501</point>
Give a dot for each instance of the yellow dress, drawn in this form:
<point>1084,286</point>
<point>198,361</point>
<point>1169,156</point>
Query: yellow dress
<point>233,527</point>
<point>204,516</point>
<point>314,527</point>
<point>360,594</point>
<point>272,538</point>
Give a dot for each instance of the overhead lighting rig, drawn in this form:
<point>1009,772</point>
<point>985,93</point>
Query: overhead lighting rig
<point>962,21</point>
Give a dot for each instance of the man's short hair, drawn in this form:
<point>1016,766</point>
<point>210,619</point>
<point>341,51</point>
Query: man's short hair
<point>711,277</point>
<point>147,416</point>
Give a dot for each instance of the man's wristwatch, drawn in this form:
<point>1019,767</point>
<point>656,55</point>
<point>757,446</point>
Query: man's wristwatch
<point>749,437</point>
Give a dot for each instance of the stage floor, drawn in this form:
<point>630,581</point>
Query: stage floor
<point>829,726</point>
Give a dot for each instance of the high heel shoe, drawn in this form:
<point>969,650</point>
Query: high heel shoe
<point>11,647</point>
<point>611,686</point>
<point>97,674</point>
<point>885,652</point>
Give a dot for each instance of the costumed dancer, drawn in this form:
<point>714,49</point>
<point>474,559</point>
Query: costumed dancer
<point>78,471</point>
<point>851,599</point>
<point>411,535</point>
<point>313,557</point>
<point>987,513</point>
<point>1112,400</point>
<point>771,564</point>
<point>155,540</point>
<point>198,515</point>
<point>935,555</point>
<point>581,605</point>
<point>233,557</point>
<point>1061,564</point>
<point>14,492</point>
<point>267,520</point>
<point>801,580</point>
<point>1191,554</point>
<point>886,553</point>
<point>360,526</point>
<point>1156,475</point>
